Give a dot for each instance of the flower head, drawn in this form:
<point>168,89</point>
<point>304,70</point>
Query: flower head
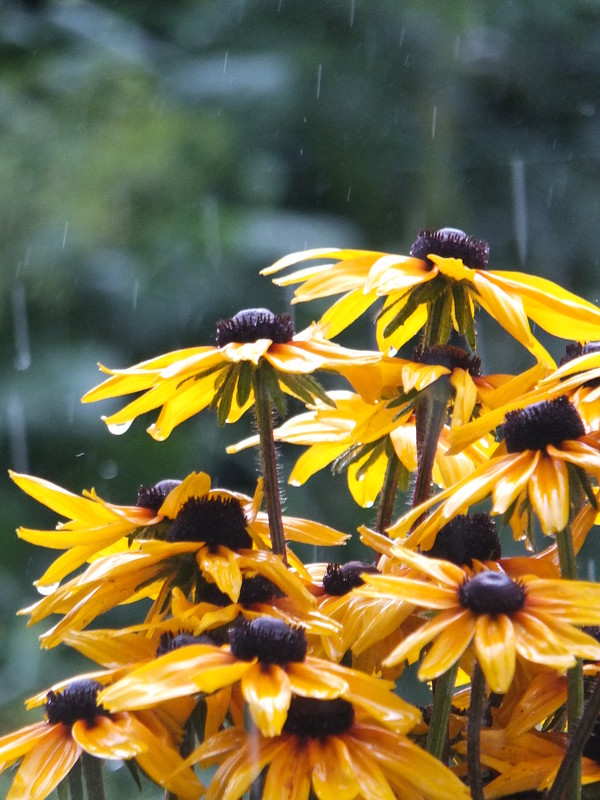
<point>528,617</point>
<point>185,382</point>
<point>447,271</point>
<point>543,444</point>
<point>76,723</point>
<point>270,660</point>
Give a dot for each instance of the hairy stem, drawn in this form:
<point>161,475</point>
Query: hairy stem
<point>442,703</point>
<point>430,419</point>
<point>264,424</point>
<point>387,496</point>
<point>474,730</point>
<point>92,775</point>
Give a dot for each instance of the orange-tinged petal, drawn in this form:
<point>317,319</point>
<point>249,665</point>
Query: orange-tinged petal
<point>222,566</point>
<point>536,642</point>
<point>546,692</point>
<point>45,766</point>
<point>515,479</point>
<point>288,777</point>
<point>548,491</point>
<point>333,775</point>
<point>373,783</point>
<point>408,589</point>
<point>448,647</point>
<point>316,679</point>
<point>107,737</point>
<point>410,647</point>
<point>496,650</point>
<point>236,775</point>
<point>14,745</point>
<point>267,690</point>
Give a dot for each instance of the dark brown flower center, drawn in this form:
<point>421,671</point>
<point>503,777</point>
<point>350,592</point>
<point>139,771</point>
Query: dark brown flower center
<point>212,520</point>
<point>548,422</point>
<point>465,538</point>
<point>253,324</point>
<point>76,701</point>
<point>492,593</point>
<point>270,640</point>
<point>449,356</point>
<point>574,350</point>
<point>451,243</point>
<point>153,497</point>
<point>170,642</point>
<point>341,578</point>
<point>316,719</point>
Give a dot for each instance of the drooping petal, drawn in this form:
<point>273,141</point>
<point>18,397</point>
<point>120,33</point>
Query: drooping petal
<point>496,650</point>
<point>548,490</point>
<point>371,779</point>
<point>448,647</point>
<point>316,679</point>
<point>15,745</point>
<point>410,647</point>
<point>267,690</point>
<point>514,480</point>
<point>222,565</point>
<point>45,766</point>
<point>288,777</point>
<point>107,737</point>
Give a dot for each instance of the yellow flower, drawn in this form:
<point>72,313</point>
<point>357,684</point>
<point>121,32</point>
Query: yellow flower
<point>269,658</point>
<point>327,746</point>
<point>532,618</point>
<point>446,270</point>
<point>543,444</point>
<point>75,724</point>
<point>187,381</point>
<point>526,762</point>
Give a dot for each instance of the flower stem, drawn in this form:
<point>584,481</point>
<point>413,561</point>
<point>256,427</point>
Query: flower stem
<point>387,496</point>
<point>92,775</point>
<point>473,732</point>
<point>577,743</point>
<point>568,571</point>
<point>430,419</point>
<point>75,782</point>
<point>442,702</point>
<point>264,423</point>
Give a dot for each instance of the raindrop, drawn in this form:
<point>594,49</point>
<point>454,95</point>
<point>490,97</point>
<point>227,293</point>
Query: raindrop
<point>352,10</point>
<point>136,289</point>
<point>319,80</point>
<point>108,469</point>
<point>21,327</point>
<point>348,194</point>
<point>65,234</point>
<point>433,122</point>
<point>591,570</point>
<point>118,428</point>
<point>225,61</point>
<point>519,206</point>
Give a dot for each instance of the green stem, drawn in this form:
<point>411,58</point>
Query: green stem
<point>442,703</point>
<point>264,423</point>
<point>568,571</point>
<point>387,496</point>
<point>474,730</point>
<point>576,743</point>
<point>431,416</point>
<point>75,782</point>
<point>92,775</point>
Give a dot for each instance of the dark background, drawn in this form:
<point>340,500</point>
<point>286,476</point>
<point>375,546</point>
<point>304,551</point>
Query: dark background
<point>154,156</point>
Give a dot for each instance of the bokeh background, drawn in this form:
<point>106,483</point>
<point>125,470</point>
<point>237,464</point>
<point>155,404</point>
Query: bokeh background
<point>154,156</point>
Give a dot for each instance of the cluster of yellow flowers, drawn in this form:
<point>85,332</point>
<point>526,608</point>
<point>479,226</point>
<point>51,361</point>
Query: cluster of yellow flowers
<point>287,675</point>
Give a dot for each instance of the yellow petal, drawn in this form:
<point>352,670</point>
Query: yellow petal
<point>316,679</point>
<point>496,650</point>
<point>268,693</point>
<point>448,647</point>
<point>410,647</point>
<point>549,494</point>
<point>61,501</point>
<point>371,779</point>
<point>333,775</point>
<point>107,737</point>
<point>520,468</point>
<point>222,566</point>
<point>288,777</point>
<point>346,310</point>
<point>14,745</point>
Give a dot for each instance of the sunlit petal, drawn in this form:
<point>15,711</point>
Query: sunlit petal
<point>549,494</point>
<point>45,766</point>
<point>268,692</point>
<point>496,650</point>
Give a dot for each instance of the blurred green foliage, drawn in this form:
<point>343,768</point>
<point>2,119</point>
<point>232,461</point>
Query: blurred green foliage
<point>156,156</point>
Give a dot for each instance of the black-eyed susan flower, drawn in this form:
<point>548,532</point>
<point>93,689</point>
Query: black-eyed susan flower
<point>185,382</point>
<point>329,747</point>
<point>269,659</point>
<point>75,723</point>
<point>531,618</point>
<point>438,286</point>
<point>543,444</point>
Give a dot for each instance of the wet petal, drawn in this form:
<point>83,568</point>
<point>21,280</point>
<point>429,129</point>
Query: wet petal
<point>448,647</point>
<point>549,494</point>
<point>45,766</point>
<point>107,737</point>
<point>222,566</point>
<point>333,775</point>
<point>288,777</point>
